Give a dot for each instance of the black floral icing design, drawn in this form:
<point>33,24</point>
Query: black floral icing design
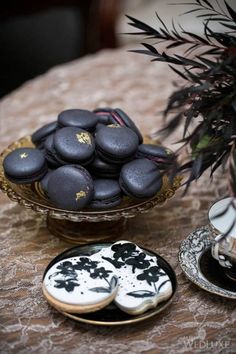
<point>117,264</point>
<point>124,250</point>
<point>68,272</point>
<point>101,273</point>
<point>151,276</point>
<point>68,284</point>
<point>85,264</point>
<point>66,268</point>
<point>124,254</point>
<point>138,262</point>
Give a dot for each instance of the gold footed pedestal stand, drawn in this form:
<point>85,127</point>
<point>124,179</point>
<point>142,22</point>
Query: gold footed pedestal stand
<point>80,227</point>
<point>84,232</point>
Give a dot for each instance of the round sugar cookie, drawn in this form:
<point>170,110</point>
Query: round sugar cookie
<point>80,284</point>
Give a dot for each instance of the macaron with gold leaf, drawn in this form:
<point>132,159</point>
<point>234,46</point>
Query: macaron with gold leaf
<point>70,187</point>
<point>25,165</point>
<point>74,145</point>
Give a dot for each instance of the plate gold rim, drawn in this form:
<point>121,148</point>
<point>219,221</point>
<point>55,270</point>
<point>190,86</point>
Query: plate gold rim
<point>119,323</point>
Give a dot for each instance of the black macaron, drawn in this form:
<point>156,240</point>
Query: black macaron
<point>161,155</point>
<point>70,187</point>
<point>104,115</point>
<point>25,165</point>
<point>116,144</point>
<point>40,135</point>
<point>74,145</point>
<point>140,178</point>
<point>107,194</point>
<point>121,118</point>
<point>50,153</point>
<point>98,127</point>
<point>80,118</point>
<point>103,169</point>
<point>44,182</point>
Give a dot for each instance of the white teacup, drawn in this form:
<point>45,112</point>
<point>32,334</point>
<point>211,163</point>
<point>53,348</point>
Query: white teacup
<point>224,247</point>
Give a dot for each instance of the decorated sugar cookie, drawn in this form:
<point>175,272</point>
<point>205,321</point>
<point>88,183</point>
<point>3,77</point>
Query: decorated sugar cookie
<point>142,282</point>
<point>80,284</point>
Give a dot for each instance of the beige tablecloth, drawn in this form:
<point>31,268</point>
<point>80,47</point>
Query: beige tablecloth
<point>196,319</point>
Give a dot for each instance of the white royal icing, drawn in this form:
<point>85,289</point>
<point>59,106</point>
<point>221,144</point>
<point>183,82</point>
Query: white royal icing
<point>85,280</point>
<point>142,282</point>
<point>81,280</point>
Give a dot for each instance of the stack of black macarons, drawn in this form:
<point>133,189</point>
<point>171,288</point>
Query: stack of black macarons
<point>90,160</point>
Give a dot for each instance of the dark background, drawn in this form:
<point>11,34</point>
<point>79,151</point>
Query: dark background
<point>37,35</point>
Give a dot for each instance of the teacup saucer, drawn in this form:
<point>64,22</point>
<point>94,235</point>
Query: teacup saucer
<point>201,268</point>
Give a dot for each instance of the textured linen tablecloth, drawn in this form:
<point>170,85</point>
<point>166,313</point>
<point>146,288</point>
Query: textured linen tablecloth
<point>196,321</point>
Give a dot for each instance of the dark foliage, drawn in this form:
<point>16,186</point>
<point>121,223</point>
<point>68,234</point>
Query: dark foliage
<point>206,104</point>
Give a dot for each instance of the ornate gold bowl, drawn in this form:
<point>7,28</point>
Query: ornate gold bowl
<point>84,226</point>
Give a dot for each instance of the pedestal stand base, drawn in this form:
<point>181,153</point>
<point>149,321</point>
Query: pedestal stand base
<point>80,233</point>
